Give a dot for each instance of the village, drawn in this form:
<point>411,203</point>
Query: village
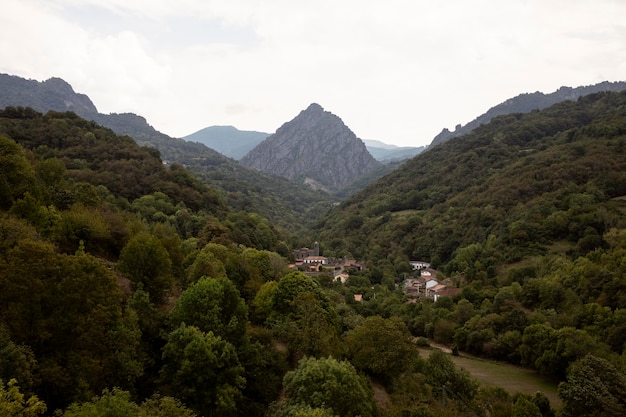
<point>422,284</point>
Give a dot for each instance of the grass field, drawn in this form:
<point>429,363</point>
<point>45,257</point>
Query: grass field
<point>511,378</point>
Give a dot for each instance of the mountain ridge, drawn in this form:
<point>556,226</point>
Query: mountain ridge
<point>276,198</point>
<point>527,102</point>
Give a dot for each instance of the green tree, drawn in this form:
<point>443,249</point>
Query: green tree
<point>594,387</point>
<point>329,383</point>
<point>206,264</point>
<point>68,310</point>
<point>441,371</point>
<point>299,410</point>
<point>13,403</point>
<point>524,407</point>
<point>16,174</point>
<point>310,329</point>
<point>118,403</point>
<point>292,285</point>
<point>145,260</point>
<point>17,362</point>
<point>262,304</point>
<point>212,305</point>
<point>114,403</point>
<point>381,347</point>
<point>203,370</point>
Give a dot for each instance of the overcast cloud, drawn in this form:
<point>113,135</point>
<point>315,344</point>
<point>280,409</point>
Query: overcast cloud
<point>396,70</point>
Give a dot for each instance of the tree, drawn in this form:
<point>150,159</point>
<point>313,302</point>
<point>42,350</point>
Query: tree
<point>17,361</point>
<point>206,264</point>
<point>298,410</point>
<point>594,387</point>
<point>262,304</point>
<point>117,403</point>
<point>381,348</point>
<point>329,383</point>
<point>68,310</point>
<point>203,370</point>
<point>13,403</point>
<point>212,305</point>
<point>524,407</point>
<point>16,174</point>
<point>145,260</point>
<point>292,285</point>
<point>441,371</point>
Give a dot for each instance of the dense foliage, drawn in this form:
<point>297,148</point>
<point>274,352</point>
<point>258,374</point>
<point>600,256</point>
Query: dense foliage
<point>129,287</point>
<point>528,179</point>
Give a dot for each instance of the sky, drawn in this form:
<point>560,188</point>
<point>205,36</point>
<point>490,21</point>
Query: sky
<point>398,71</point>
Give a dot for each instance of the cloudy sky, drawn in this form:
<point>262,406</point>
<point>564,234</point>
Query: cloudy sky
<point>395,70</point>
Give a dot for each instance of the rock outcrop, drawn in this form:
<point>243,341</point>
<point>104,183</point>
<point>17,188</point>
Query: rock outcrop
<point>315,148</point>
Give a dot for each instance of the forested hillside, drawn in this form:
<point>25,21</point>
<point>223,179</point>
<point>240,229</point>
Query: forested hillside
<point>525,103</point>
<point>526,216</point>
<point>130,287</point>
<point>527,179</point>
<point>288,205</point>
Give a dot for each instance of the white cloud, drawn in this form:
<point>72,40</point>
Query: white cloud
<point>397,71</point>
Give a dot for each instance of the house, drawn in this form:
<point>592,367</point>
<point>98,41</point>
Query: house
<point>342,277</point>
<point>417,265</point>
<point>315,260</point>
<point>427,286</point>
<point>312,263</point>
<point>303,253</point>
<point>428,272</point>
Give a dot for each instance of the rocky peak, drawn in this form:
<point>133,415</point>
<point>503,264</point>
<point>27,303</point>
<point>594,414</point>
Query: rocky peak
<point>315,147</point>
<point>52,94</point>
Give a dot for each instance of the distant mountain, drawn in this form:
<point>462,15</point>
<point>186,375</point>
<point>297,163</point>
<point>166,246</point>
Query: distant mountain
<point>276,198</point>
<point>525,103</point>
<point>235,143</point>
<point>53,94</point>
<point>228,140</point>
<point>390,153</point>
<point>315,148</point>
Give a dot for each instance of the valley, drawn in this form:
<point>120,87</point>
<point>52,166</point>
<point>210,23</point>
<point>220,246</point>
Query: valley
<point>157,276</point>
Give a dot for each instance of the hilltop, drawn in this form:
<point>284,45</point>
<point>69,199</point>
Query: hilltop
<point>315,148</point>
<point>525,103</point>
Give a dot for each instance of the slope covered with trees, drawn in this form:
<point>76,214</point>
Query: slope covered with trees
<point>288,205</point>
<point>527,179</point>
<point>129,287</point>
<point>526,216</point>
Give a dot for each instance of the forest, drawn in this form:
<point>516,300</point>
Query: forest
<point>133,287</point>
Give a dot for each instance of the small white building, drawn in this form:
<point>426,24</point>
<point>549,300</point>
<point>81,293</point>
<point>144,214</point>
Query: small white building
<point>417,265</point>
<point>315,260</point>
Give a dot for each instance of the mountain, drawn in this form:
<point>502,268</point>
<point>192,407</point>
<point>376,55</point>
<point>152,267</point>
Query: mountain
<point>52,94</point>
<point>529,180</point>
<point>228,140</point>
<point>315,148</point>
<point>385,153</point>
<point>285,203</point>
<point>525,103</point>
<point>235,143</point>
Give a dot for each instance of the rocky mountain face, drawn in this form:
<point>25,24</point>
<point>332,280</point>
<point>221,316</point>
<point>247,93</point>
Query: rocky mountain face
<point>315,148</point>
<point>525,103</point>
<point>53,94</point>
